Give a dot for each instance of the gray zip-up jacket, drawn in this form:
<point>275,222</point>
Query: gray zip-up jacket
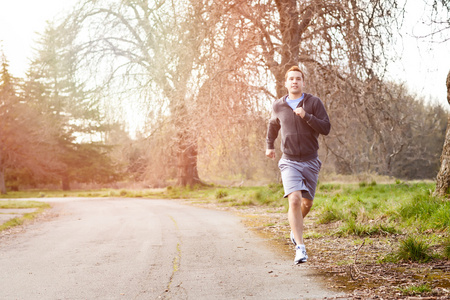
<point>299,137</point>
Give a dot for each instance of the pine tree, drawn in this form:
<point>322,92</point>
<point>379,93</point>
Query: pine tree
<point>23,143</point>
<point>54,88</point>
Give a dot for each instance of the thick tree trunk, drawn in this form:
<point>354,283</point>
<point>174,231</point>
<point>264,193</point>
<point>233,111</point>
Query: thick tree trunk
<point>2,182</point>
<point>186,148</point>
<point>291,33</point>
<point>65,182</point>
<point>187,173</point>
<point>443,177</point>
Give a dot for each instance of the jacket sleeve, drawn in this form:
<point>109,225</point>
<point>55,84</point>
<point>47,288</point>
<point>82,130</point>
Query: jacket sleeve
<point>319,120</point>
<point>272,131</point>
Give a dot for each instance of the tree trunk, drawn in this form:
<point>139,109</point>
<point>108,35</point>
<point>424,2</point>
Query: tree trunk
<point>65,182</point>
<point>186,147</point>
<point>443,177</point>
<point>2,182</point>
<point>291,34</point>
<point>187,173</point>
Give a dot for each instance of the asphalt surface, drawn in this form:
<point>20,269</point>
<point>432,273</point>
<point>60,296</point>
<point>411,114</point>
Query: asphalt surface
<point>147,249</point>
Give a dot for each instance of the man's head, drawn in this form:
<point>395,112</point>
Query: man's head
<point>294,68</point>
<point>294,82</point>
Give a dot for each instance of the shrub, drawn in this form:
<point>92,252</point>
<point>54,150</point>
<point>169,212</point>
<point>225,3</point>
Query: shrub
<point>447,249</point>
<point>352,227</point>
<point>415,290</point>
<point>432,212</point>
<point>413,249</point>
<point>329,214</point>
<point>174,192</point>
<point>220,193</point>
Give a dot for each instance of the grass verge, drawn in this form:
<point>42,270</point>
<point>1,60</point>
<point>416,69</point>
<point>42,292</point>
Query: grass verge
<point>40,207</point>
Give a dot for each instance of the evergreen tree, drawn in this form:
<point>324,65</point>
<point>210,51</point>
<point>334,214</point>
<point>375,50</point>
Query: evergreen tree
<point>24,145</point>
<point>54,88</point>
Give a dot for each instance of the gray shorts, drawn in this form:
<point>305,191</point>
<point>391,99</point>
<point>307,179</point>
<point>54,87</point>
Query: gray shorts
<point>300,176</point>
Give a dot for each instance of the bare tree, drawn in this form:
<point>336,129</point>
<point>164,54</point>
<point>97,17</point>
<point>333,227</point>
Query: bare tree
<point>342,45</point>
<point>152,52</point>
<point>339,37</point>
<point>201,71</point>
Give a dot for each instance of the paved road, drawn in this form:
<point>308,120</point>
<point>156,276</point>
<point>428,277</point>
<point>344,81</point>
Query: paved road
<point>146,249</point>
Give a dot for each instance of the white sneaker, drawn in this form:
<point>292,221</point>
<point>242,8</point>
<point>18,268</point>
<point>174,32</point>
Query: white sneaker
<point>292,239</point>
<point>300,254</point>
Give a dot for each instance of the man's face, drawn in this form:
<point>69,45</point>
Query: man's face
<point>294,83</point>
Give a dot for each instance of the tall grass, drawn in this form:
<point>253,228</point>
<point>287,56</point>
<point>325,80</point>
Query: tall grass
<point>413,249</point>
<point>406,206</point>
<point>446,252</point>
<point>352,227</point>
<point>431,212</point>
<point>415,290</point>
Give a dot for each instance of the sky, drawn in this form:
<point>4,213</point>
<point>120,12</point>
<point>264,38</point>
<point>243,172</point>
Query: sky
<point>20,21</point>
<point>423,66</point>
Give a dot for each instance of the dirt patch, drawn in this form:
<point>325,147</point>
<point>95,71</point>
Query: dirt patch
<point>350,264</point>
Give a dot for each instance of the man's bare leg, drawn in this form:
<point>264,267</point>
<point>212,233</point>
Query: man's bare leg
<point>298,209</point>
<point>306,206</point>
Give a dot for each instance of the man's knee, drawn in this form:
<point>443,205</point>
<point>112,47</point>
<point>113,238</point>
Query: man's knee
<point>295,199</point>
<point>307,203</point>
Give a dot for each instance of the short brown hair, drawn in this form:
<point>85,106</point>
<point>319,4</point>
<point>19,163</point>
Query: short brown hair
<point>294,68</point>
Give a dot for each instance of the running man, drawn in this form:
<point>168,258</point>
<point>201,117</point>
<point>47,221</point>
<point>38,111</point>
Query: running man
<point>301,118</point>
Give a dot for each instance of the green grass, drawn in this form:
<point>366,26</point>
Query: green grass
<point>23,204</point>
<point>404,207</point>
<point>221,193</point>
<point>431,212</point>
<point>446,251</point>
<point>415,290</point>
<point>413,249</point>
<point>351,227</point>
<point>329,213</point>
<point>40,207</point>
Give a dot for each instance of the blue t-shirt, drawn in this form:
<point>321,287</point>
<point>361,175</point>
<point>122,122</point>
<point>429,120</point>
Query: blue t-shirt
<point>294,103</point>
